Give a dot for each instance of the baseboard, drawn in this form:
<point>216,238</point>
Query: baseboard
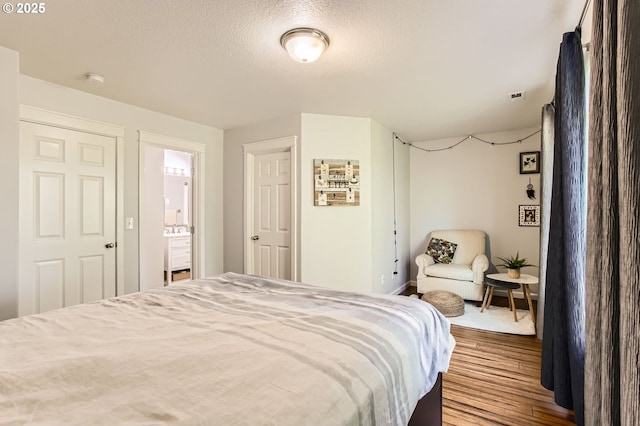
<point>402,288</point>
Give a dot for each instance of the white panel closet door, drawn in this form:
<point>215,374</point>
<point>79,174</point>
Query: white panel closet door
<point>67,218</point>
<point>272,215</point>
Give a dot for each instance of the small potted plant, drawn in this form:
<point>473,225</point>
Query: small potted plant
<point>513,264</point>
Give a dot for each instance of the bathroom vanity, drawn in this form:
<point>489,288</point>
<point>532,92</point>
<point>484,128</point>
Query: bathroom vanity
<point>177,257</point>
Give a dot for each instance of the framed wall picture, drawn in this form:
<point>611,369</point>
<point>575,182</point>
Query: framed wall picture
<point>336,182</point>
<point>529,162</point>
<point>529,215</point>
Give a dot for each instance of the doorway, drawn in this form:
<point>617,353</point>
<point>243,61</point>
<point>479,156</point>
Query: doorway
<point>177,215</point>
<point>171,225</point>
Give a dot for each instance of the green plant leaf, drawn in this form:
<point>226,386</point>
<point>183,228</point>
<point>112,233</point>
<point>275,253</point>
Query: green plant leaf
<point>514,262</point>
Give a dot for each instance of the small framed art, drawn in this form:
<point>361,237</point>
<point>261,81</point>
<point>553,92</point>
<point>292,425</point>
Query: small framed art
<point>529,215</point>
<point>529,162</point>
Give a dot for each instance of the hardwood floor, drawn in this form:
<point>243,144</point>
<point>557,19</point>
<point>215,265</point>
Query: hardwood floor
<point>494,379</point>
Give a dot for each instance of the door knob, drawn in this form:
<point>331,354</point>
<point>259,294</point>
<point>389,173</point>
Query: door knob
<point>110,245</point>
<point>255,238</point>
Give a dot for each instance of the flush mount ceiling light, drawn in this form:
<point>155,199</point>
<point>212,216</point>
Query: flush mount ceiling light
<point>304,44</point>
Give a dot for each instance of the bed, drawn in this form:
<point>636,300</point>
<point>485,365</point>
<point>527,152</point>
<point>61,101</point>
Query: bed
<point>227,350</point>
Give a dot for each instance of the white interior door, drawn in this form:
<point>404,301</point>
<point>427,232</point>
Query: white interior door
<point>151,221</point>
<point>272,215</point>
<point>67,217</point>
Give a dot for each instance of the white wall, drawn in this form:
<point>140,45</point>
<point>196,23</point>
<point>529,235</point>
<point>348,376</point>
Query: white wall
<point>339,246</point>
<point>52,97</point>
<point>336,246</point>
<point>9,155</point>
<point>403,212</point>
<point>475,185</point>
<point>387,208</point>
<point>177,159</point>
<point>234,181</point>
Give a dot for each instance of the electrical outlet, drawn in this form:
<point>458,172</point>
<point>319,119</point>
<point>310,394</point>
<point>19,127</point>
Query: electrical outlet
<point>382,278</point>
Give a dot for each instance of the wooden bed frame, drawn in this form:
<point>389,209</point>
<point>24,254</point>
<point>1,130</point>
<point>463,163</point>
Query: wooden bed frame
<point>428,412</point>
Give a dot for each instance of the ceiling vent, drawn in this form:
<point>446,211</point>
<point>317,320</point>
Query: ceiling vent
<point>516,96</point>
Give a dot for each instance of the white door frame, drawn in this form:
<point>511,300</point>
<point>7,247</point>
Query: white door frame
<point>198,213</point>
<point>55,119</point>
<point>250,150</point>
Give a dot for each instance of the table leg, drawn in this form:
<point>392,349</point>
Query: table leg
<point>512,305</point>
<point>490,297</point>
<point>484,300</point>
<point>527,292</point>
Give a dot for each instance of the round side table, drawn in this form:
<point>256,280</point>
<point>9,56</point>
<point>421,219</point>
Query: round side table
<point>505,281</point>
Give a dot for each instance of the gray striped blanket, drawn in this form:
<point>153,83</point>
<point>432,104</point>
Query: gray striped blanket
<point>228,350</point>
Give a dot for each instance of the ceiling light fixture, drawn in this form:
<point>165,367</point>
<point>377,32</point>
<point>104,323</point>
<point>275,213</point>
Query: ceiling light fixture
<point>304,44</point>
<point>94,78</point>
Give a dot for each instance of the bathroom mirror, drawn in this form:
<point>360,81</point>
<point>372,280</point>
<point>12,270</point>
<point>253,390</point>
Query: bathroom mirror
<point>176,200</point>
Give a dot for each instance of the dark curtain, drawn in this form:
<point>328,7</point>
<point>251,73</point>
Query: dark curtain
<point>613,261</point>
<point>564,324</point>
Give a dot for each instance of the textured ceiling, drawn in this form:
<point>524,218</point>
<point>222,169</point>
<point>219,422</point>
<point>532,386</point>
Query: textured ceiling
<point>424,68</point>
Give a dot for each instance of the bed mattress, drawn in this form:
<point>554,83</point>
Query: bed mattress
<point>228,350</point>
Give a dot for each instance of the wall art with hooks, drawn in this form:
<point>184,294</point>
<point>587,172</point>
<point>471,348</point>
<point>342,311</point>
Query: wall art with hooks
<point>336,182</point>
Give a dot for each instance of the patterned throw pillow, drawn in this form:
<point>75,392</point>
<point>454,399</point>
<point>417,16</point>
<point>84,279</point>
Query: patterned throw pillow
<point>441,250</point>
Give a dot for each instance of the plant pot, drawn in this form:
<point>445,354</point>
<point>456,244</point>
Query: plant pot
<point>513,273</point>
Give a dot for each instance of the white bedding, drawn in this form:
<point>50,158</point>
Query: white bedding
<point>228,350</point>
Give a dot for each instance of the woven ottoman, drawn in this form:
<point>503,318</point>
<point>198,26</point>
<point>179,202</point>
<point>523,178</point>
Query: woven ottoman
<point>449,304</point>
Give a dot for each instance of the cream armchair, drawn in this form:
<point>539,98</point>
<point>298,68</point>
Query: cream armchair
<point>464,276</point>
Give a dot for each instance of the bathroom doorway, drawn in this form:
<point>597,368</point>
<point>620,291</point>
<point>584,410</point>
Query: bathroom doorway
<point>178,199</point>
<point>170,211</point>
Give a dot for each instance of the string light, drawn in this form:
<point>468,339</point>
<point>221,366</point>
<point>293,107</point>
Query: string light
<point>466,138</point>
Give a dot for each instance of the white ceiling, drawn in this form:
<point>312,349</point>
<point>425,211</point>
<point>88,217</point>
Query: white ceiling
<point>423,68</point>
